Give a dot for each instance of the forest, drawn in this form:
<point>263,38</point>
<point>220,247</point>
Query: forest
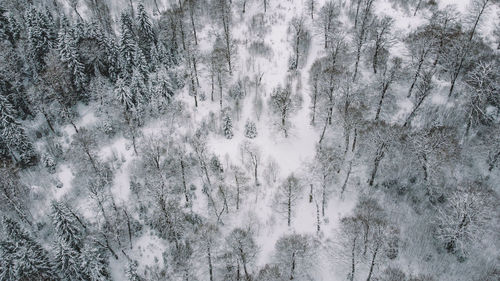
<point>250,140</point>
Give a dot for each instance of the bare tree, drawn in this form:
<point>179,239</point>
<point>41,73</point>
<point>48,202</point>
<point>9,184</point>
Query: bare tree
<point>251,156</point>
<point>314,77</point>
<point>242,245</point>
<point>222,12</point>
<point>477,10</point>
<point>376,138</point>
<point>464,218</point>
<point>327,23</point>
<point>327,162</point>
<point>294,254</point>
<point>312,7</point>
<point>481,88</point>
<point>349,238</point>
<point>361,31</point>
<point>389,75</point>
<point>300,41</point>
<point>421,44</point>
<point>380,33</point>
<point>287,195</point>
<point>284,103</point>
<point>424,89</point>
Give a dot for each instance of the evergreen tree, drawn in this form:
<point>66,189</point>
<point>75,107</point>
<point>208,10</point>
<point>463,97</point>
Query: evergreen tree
<point>95,263</point>
<point>138,89</point>
<point>127,43</point>
<point>40,37</point>
<point>68,53</point>
<point>140,63</point>
<point>12,136</point>
<point>67,261</point>
<point>67,228</point>
<point>9,29</point>
<point>227,123</point>
<point>145,32</point>
<point>28,260</point>
<point>122,93</point>
<point>250,129</point>
<point>162,85</point>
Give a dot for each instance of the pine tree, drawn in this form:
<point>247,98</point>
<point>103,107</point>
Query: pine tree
<point>66,226</point>
<point>162,87</point>
<point>95,263</point>
<point>227,123</point>
<point>67,261</point>
<point>127,43</point>
<point>250,129</point>
<point>145,30</point>
<point>9,30</point>
<point>68,53</point>
<point>39,37</point>
<point>140,63</point>
<point>138,89</point>
<point>29,260</point>
<point>12,135</point>
<point>122,93</point>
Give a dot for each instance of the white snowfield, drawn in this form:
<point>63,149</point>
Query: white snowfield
<point>293,153</point>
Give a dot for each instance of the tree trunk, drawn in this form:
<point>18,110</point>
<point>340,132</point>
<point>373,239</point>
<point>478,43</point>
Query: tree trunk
<point>355,138</point>
<point>318,224</point>
<point>219,81</point>
<point>227,39</point>
<point>323,196</point>
<point>210,266</point>
<point>412,114</point>
<point>48,121</point>
<point>289,205</point>
<point>315,96</point>
<point>323,132</point>
<point>357,14</point>
<point>353,268</point>
<point>311,194</point>
<point>346,178</point>
<point>384,91</point>
<point>256,166</point>
<point>375,59</point>
<point>191,15</point>
<point>378,158</point>
<point>417,73</point>
<point>92,161</point>
<point>184,185</point>
<point>292,273</point>
<point>129,228</point>
<point>417,8</point>
<point>243,260</point>
<point>372,263</point>
<point>156,6</point>
<point>196,71</point>
<point>237,192</point>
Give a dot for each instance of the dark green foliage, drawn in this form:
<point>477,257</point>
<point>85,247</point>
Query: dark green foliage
<point>127,44</point>
<point>66,226</point>
<point>13,140</point>
<point>22,257</point>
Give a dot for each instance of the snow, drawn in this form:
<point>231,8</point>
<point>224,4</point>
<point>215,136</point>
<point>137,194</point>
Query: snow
<point>65,176</point>
<point>291,153</point>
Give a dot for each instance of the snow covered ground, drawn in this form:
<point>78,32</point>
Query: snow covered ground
<point>291,153</point>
